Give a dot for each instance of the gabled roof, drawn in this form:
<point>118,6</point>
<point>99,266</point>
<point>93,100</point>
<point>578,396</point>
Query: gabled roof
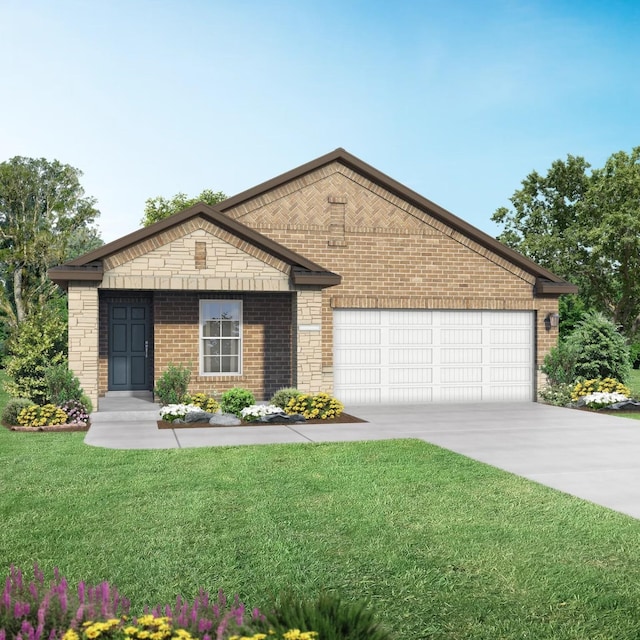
<point>547,282</point>
<point>89,266</point>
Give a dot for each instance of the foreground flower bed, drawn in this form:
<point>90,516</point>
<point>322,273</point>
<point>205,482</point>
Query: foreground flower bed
<point>53,611</point>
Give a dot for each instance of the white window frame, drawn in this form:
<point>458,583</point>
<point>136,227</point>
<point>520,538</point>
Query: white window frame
<point>202,338</point>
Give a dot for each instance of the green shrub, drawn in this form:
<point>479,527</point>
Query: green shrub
<point>560,364</point>
<point>281,397</point>
<point>235,400</point>
<point>38,343</point>
<point>204,401</point>
<point>601,351</point>
<point>62,384</point>
<point>12,409</point>
<point>558,394</point>
<point>172,386</point>
<point>329,616</point>
<point>321,405</point>
<point>35,416</point>
<point>634,355</point>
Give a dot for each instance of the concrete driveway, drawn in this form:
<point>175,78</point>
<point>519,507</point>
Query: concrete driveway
<point>589,455</point>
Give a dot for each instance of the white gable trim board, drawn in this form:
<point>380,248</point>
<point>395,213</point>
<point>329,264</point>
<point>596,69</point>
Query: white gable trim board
<point>399,355</point>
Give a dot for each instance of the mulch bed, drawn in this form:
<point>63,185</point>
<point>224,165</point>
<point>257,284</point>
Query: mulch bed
<point>343,418</point>
<point>57,428</point>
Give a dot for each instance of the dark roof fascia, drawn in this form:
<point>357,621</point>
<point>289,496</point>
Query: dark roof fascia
<point>61,275</point>
<point>544,287</point>
<point>316,278</point>
<point>216,217</point>
<point>446,217</point>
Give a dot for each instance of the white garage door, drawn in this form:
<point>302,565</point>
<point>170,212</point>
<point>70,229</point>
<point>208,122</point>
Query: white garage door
<point>386,355</point>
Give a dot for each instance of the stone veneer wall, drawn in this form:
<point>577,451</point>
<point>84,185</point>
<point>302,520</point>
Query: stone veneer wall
<point>267,340</point>
<point>84,336</point>
<point>311,375</point>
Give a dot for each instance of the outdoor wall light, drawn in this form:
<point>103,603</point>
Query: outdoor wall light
<point>551,320</point>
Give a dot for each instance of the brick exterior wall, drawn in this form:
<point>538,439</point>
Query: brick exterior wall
<point>267,340</point>
<point>389,253</point>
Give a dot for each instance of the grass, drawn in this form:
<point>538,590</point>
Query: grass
<point>442,546</point>
<point>634,383</point>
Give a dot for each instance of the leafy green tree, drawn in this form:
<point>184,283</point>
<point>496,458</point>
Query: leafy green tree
<point>159,208</point>
<point>38,343</point>
<point>586,228</point>
<point>600,350</point>
<point>43,207</point>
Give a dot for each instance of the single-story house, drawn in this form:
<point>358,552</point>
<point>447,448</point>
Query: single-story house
<point>331,277</point>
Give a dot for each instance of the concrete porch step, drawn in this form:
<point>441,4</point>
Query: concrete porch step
<point>126,406</point>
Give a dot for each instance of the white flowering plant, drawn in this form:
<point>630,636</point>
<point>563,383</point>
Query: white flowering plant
<point>173,412</point>
<point>257,411</point>
<point>601,399</point>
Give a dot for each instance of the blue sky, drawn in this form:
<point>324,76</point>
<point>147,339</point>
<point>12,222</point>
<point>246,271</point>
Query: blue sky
<point>457,100</point>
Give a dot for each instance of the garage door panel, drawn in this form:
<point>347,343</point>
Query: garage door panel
<point>361,396</point>
<point>410,336</point>
<point>460,356</point>
<point>406,317</point>
<point>408,355</point>
<point>358,336</point>
<point>357,356</point>
<point>461,336</point>
<point>510,336</point>
<point>463,317</point>
<point>507,394</point>
<point>511,355</point>
<point>509,318</point>
<point>352,377</point>
<point>361,317</point>
<point>410,394</point>
<point>510,374</point>
<point>410,376</point>
<point>460,394</point>
<point>461,374</point>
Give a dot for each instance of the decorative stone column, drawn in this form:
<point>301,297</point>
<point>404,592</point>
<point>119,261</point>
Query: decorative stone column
<point>83,336</point>
<point>310,377</point>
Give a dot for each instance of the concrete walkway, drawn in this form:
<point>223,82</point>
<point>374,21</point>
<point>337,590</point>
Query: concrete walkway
<point>592,456</point>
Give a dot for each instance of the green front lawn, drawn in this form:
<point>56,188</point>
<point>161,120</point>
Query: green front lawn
<point>443,547</point>
<point>634,383</point>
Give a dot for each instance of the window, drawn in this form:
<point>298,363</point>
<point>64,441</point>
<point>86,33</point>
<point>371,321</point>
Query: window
<point>220,337</point>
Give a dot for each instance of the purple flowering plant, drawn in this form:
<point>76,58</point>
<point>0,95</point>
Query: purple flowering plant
<point>40,610</point>
<point>76,412</point>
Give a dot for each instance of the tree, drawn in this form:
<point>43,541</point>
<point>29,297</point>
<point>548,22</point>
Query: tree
<point>600,351</point>
<point>159,208</point>
<point>586,228</point>
<point>42,208</point>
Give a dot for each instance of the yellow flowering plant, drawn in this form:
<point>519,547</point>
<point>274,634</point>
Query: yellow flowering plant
<point>47,415</point>
<point>204,401</point>
<point>319,406</point>
<point>599,385</point>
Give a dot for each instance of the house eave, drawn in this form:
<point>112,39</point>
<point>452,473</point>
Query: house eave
<point>315,278</point>
<point>62,274</point>
<point>544,287</point>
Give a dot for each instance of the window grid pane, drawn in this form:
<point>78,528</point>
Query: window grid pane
<point>221,336</point>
